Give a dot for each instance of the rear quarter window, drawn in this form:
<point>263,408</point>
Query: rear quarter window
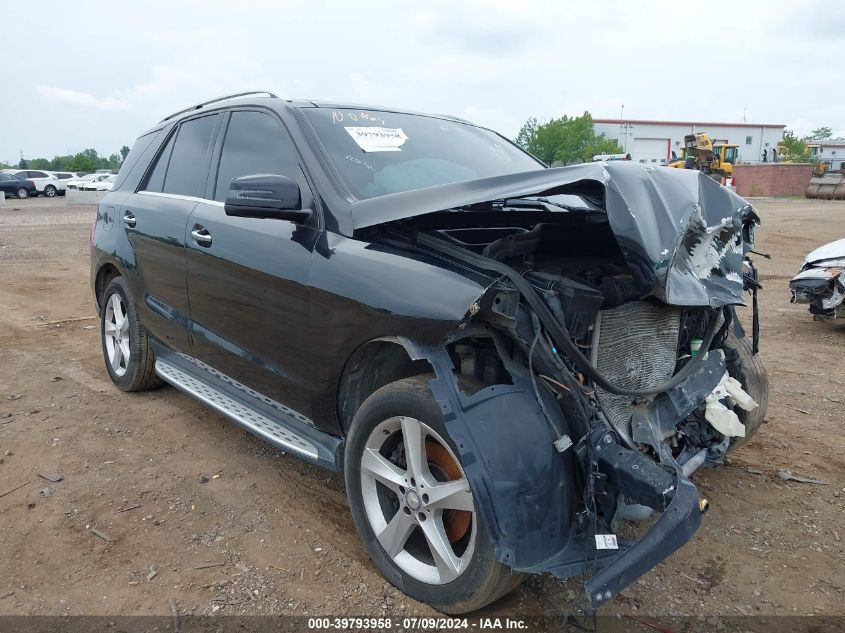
<point>140,149</point>
<point>189,160</point>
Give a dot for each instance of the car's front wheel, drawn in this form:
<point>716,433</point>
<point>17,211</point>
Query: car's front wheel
<point>50,191</point>
<point>413,506</point>
<point>129,358</point>
<point>754,379</point>
<point>22,193</point>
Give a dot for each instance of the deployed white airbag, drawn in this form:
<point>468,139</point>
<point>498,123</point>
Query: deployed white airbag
<point>723,418</point>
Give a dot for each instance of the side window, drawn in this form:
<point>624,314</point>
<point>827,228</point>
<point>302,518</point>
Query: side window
<point>255,143</point>
<point>155,182</point>
<point>188,160</point>
<point>38,174</point>
<point>139,148</point>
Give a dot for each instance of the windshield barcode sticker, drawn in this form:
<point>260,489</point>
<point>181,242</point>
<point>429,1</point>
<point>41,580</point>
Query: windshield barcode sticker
<point>606,541</point>
<point>378,139</point>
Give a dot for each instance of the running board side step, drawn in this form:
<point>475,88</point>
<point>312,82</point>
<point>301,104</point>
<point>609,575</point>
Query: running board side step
<point>283,432</point>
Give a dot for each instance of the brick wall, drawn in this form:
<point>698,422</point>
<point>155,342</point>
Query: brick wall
<point>772,179</point>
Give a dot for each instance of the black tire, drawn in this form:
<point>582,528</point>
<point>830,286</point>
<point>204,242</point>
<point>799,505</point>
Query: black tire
<point>755,381</point>
<point>485,579</point>
<point>22,193</point>
<point>140,369</point>
<point>50,191</point>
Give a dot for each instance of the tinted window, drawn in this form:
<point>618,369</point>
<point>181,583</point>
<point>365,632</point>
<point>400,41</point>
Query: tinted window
<point>38,174</point>
<point>139,148</point>
<point>6,177</point>
<point>188,160</point>
<point>156,180</point>
<point>255,143</point>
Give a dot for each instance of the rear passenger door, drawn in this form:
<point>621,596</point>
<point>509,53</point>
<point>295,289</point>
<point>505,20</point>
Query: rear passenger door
<point>155,218</point>
<point>248,277</point>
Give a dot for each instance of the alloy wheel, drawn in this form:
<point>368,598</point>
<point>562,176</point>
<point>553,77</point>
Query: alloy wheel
<point>418,501</point>
<point>116,334</point>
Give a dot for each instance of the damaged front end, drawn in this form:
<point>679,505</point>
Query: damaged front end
<point>821,282</point>
<point>609,359</point>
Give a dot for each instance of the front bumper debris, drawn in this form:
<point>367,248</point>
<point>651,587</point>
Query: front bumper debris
<point>823,289</point>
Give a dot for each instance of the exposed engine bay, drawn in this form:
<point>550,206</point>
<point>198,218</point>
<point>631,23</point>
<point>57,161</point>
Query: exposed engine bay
<point>628,357</point>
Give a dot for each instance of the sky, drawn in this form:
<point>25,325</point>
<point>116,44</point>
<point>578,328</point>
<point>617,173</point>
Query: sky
<point>106,71</point>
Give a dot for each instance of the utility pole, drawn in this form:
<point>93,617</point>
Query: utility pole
<point>622,129</point>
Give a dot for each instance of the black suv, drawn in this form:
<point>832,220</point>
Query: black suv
<point>506,361</point>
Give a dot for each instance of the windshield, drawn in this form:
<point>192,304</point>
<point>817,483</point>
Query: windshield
<point>378,153</point>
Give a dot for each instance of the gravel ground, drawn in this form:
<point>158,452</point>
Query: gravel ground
<point>162,500</point>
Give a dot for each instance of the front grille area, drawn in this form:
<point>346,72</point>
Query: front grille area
<point>637,349</point>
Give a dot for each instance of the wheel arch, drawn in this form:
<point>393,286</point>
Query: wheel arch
<point>371,366</point>
<point>105,273</point>
<point>525,488</point>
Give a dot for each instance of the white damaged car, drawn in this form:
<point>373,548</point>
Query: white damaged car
<point>821,281</point>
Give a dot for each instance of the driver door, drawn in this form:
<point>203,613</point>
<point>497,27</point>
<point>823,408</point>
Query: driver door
<point>248,277</point>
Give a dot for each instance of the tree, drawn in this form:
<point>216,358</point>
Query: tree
<point>566,140</point>
<point>527,133</point>
<point>87,160</point>
<point>821,133</point>
<point>40,163</point>
<point>793,149</point>
<point>82,162</point>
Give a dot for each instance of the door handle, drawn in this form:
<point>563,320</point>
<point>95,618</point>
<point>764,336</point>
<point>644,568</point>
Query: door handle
<point>201,235</point>
<point>129,218</point>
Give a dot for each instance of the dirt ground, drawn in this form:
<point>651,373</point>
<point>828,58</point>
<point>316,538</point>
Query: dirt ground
<point>162,500</point>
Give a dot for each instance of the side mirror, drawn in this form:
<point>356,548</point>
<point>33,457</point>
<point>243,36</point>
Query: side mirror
<point>265,196</point>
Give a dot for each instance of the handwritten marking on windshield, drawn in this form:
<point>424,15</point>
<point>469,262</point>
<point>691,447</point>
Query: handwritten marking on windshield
<point>338,117</point>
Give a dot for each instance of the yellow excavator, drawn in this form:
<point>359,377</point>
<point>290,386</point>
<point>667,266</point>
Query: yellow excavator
<point>700,153</point>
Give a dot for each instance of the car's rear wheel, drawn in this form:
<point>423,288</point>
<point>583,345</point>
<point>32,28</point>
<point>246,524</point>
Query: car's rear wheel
<point>413,505</point>
<point>129,358</point>
<point>50,191</point>
<point>22,193</point>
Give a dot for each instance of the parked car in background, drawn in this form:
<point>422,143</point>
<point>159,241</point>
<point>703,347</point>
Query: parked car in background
<point>45,182</point>
<point>80,180</point>
<point>63,177</point>
<point>100,184</point>
<point>79,183</point>
<point>821,282</point>
<point>13,186</point>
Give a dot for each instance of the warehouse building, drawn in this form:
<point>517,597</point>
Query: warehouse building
<point>659,141</point>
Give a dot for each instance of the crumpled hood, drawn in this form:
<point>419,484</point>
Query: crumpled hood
<point>834,250</point>
<point>681,230</point>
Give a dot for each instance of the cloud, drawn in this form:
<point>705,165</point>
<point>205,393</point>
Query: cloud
<point>496,62</point>
<point>81,99</point>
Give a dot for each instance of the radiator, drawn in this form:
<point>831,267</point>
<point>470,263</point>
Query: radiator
<point>637,349</point>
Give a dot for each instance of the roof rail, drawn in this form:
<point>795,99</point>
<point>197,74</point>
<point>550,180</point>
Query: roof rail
<point>223,98</point>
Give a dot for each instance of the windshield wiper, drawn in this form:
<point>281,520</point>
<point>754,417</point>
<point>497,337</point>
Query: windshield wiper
<point>560,205</point>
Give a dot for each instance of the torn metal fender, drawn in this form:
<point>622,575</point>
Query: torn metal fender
<point>525,489</point>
